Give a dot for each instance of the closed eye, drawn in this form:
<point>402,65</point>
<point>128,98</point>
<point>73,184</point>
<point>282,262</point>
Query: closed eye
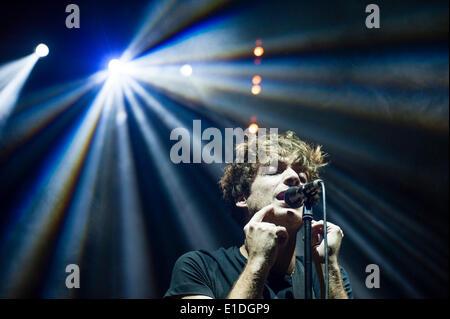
<point>303,178</point>
<point>275,169</point>
<point>301,173</point>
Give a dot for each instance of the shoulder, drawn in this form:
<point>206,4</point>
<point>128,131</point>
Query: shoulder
<point>195,272</point>
<point>206,257</point>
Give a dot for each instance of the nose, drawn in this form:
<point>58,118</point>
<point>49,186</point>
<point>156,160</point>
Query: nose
<point>291,177</point>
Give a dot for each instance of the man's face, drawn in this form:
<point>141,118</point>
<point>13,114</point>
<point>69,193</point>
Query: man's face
<point>269,187</point>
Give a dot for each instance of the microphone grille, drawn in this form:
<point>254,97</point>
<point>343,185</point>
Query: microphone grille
<point>294,197</point>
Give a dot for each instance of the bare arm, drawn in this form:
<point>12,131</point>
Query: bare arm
<point>262,242</point>
<point>250,284</point>
<point>336,288</point>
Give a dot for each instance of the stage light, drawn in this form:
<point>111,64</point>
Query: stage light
<point>115,66</point>
<point>42,50</point>
<point>186,70</point>
<point>253,128</point>
<point>259,51</point>
<point>13,76</point>
<point>256,89</point>
<point>256,80</point>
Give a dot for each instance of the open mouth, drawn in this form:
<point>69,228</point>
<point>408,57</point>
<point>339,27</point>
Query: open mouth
<point>280,196</point>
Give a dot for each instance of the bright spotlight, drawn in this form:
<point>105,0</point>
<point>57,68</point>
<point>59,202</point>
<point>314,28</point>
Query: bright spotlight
<point>259,51</point>
<point>253,128</point>
<point>256,79</point>
<point>115,66</point>
<point>42,50</point>
<point>186,70</point>
<point>256,89</point>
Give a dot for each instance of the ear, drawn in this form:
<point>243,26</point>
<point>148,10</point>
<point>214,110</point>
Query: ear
<point>242,203</point>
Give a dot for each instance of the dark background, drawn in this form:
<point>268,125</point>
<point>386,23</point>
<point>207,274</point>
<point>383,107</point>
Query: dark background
<point>388,174</point>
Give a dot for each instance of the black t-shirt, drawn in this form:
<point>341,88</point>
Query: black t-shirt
<point>214,273</point>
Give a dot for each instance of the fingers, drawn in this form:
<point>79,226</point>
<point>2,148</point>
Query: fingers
<point>278,232</point>
<point>269,227</point>
<point>282,235</point>
<point>281,231</point>
<point>259,215</point>
<point>317,226</point>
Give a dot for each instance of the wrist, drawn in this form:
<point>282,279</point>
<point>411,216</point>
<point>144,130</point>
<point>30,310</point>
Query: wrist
<point>258,265</point>
<point>333,261</point>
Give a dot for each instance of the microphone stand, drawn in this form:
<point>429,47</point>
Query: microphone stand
<point>295,197</point>
<point>307,218</point>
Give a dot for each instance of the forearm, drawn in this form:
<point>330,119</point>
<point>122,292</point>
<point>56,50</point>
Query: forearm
<point>336,288</point>
<point>250,284</point>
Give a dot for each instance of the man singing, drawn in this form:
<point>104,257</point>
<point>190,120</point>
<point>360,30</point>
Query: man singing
<point>266,265</point>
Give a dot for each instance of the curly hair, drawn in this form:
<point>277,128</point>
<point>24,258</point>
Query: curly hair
<point>238,177</point>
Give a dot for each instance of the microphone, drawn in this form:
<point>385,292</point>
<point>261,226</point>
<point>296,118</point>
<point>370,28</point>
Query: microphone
<point>296,196</point>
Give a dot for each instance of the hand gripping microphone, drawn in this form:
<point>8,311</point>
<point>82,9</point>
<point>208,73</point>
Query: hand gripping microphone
<point>296,196</point>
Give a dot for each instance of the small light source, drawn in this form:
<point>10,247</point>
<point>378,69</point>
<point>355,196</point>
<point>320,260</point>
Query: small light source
<point>259,51</point>
<point>41,50</point>
<point>256,89</point>
<point>186,70</point>
<point>115,66</point>
<point>253,128</point>
<point>256,80</point>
